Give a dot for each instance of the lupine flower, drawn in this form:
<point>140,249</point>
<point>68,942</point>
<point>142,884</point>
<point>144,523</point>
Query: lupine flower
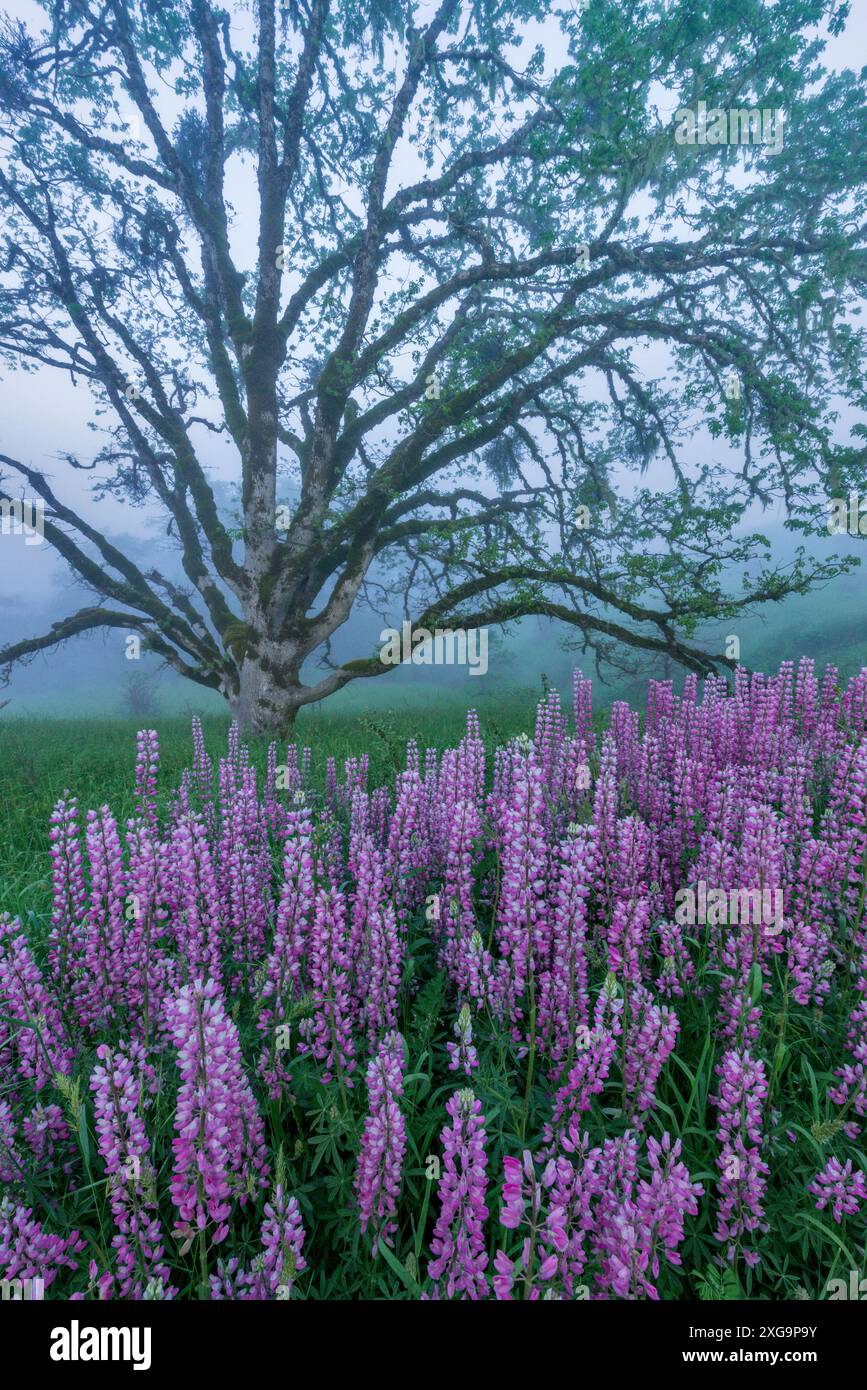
<point>838,1184</point>
<point>521,918</point>
<point>282,1237</point>
<point>650,1039</point>
<point>41,1046</point>
<point>219,1149</point>
<point>69,895</point>
<point>120,1085</point>
<point>742,1091</point>
<point>282,985</point>
<point>460,920</point>
<point>563,1000</point>
<point>524,1208</point>
<point>273,1273</point>
<point>666,1200</point>
<point>462,1053</point>
<point>332,1041</point>
<point>99,986</point>
<point>28,1252</point>
<point>12,1162</point>
<point>146,767</point>
<point>380,1160</point>
<point>408,849</point>
<point>49,1139</point>
<point>458,1243</point>
<point>593,1054</point>
<point>576,1184</point>
<point>638,1222</point>
<point>198,923</point>
<point>376,946</point>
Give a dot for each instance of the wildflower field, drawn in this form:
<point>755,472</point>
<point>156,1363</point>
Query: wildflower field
<point>577,1014</point>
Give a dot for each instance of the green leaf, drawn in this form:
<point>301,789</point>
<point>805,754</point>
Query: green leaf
<point>403,1274</point>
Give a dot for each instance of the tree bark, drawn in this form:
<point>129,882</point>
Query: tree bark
<point>268,696</point>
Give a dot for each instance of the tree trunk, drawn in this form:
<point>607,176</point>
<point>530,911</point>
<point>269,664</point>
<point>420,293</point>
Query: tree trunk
<point>267,700</point>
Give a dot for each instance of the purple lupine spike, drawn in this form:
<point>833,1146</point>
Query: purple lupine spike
<point>375,945</point>
<point>582,708</point>
<point>69,894</point>
<point>740,1100</point>
<point>527,1207</point>
<point>523,925</point>
<point>330,863</point>
<point>408,852</point>
<point>628,937</point>
<point>575,1186</point>
<point>273,1273</point>
<point>29,1252</point>
<point>380,810</point>
<point>332,1041</point>
<point>616,1239</point>
<point>563,1001</point>
<point>219,1146</point>
<point>120,1084</point>
<point>383,1144</point>
<point>368,898</point>
<point>282,1241</point>
<point>851,1092</point>
<point>809,941</point>
<point>150,973</point>
<point>845,826</point>
<point>13,1163</point>
<point>50,1140</point>
<point>593,1052</point>
<point>283,985</point>
<point>638,1223</point>
<point>605,827</point>
<point>839,1185</point>
<point>146,769</point>
<point>458,1242</point>
<point>550,745</point>
<point>666,1200</point>
<point>331,782</point>
<point>198,925</point>
<point>473,761</point>
<point>273,809</point>
<point>201,782</point>
<point>483,983</point>
<point>33,1030</point>
<point>384,959</point>
<point>99,988</point>
<point>244,881</point>
<point>462,1054</point>
<point>648,1043</point>
<point>678,969</point>
<point>359,829</point>
<point>458,915</point>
